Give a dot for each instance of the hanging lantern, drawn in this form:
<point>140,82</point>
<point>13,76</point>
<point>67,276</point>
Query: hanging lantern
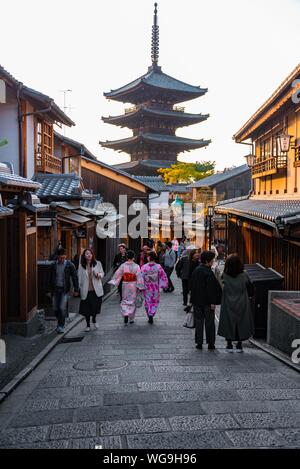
<point>250,159</point>
<point>284,142</point>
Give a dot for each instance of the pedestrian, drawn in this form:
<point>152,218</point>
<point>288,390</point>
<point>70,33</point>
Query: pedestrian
<point>143,255</point>
<point>169,263</point>
<point>133,282</point>
<point>119,259</point>
<point>161,254</point>
<point>236,321</point>
<point>182,246</point>
<point>76,261</point>
<point>205,293</point>
<point>183,272</point>
<point>61,273</point>
<point>175,245</point>
<point>90,275</point>
<point>154,278</point>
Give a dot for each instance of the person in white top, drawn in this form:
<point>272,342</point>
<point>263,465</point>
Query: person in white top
<point>90,274</point>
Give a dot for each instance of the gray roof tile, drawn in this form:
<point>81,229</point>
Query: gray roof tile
<point>217,178</point>
<point>59,186</point>
<point>155,182</point>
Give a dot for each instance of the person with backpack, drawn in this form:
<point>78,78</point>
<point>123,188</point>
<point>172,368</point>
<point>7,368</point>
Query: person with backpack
<point>154,279</point>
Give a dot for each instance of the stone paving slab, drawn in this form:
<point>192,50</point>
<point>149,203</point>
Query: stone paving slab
<point>164,394</point>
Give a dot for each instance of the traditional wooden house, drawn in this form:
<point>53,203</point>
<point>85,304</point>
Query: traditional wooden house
<point>265,227</point>
<point>18,238</point>
<point>101,178</point>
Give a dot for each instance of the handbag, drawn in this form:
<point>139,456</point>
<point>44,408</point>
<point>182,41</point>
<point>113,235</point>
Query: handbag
<point>139,299</point>
<point>189,320</point>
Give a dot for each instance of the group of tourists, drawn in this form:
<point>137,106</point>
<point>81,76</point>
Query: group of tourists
<point>141,282</point>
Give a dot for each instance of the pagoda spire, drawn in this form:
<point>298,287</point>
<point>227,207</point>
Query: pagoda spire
<point>155,39</point>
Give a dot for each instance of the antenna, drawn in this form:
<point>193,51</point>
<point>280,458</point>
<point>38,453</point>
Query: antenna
<point>65,107</point>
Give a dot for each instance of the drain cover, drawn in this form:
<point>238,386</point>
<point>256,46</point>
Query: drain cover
<point>100,365</point>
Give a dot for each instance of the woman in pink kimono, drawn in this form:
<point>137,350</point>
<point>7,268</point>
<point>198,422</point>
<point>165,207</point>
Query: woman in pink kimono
<point>132,278</point>
<point>154,279</point>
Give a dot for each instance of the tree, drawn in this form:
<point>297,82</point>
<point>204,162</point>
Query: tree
<point>187,172</point>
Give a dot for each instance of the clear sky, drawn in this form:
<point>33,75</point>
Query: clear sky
<point>240,50</point>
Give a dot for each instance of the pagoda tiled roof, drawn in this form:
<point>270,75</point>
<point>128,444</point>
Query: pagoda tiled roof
<point>159,139</point>
<point>156,112</point>
<point>157,79</point>
<point>277,211</point>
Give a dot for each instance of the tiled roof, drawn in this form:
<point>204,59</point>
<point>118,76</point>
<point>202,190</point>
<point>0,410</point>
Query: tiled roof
<point>160,139</point>
<point>8,178</point>
<point>37,97</point>
<point>276,211</point>
<point>59,186</point>
<point>155,182</point>
<point>4,211</point>
<point>146,163</point>
<point>92,204</point>
<point>180,188</point>
<point>158,79</point>
<point>217,178</point>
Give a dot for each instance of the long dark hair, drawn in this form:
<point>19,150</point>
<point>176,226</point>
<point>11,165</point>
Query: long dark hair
<point>83,259</point>
<point>233,266</point>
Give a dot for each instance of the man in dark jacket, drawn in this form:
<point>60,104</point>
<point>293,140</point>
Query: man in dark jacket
<point>60,285</point>
<point>183,272</point>
<point>205,292</point>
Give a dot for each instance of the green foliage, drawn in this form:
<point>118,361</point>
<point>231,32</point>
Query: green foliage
<point>187,172</point>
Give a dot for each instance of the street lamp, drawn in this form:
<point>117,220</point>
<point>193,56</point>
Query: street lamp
<point>250,160</point>
<point>210,214</point>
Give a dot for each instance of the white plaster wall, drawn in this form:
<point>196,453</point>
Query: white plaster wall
<point>159,202</point>
<point>9,129</point>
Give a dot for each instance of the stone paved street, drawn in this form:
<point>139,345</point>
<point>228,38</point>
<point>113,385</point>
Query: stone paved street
<point>144,386</point>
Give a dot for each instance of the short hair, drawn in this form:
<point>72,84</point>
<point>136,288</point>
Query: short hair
<point>122,245</point>
<point>233,265</point>
<point>153,256</point>
<point>130,255</point>
<point>169,244</point>
<point>61,252</point>
<point>206,257</point>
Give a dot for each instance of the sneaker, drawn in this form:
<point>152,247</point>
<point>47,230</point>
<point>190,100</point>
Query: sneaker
<point>211,347</point>
<point>150,319</point>
<point>199,346</point>
<point>87,329</point>
<point>60,330</point>
<point>126,320</point>
<point>96,325</point>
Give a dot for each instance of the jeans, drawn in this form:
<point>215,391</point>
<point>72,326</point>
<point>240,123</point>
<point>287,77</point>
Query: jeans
<point>60,300</point>
<point>204,315</point>
<point>169,271</point>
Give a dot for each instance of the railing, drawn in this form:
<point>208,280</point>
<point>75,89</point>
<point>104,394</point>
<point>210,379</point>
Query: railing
<point>47,163</point>
<point>269,166</point>
<point>297,157</point>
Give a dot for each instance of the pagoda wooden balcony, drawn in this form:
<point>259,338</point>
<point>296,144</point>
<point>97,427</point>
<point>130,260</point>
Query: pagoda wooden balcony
<point>48,164</point>
<point>297,157</point>
<point>128,110</point>
<point>270,166</point>
<point>179,108</point>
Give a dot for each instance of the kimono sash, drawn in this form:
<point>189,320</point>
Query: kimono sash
<point>128,276</point>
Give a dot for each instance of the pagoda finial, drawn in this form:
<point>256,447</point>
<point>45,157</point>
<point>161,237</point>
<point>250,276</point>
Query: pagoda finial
<point>155,39</point>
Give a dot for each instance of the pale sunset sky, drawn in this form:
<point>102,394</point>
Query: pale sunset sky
<point>241,50</point>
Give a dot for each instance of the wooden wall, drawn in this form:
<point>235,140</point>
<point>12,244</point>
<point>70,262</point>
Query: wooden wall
<point>255,243</point>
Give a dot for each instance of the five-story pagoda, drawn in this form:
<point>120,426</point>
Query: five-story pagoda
<point>154,117</point>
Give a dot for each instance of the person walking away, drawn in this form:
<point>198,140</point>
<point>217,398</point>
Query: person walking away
<point>161,255</point>
<point>183,272</point>
<point>169,263</point>
<point>61,273</point>
<point>181,247</point>
<point>154,278</point>
<point>130,274</point>
<point>236,321</point>
<point>205,292</point>
<point>119,259</point>
<point>90,275</point>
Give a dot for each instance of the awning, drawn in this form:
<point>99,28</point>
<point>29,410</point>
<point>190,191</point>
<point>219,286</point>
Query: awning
<point>73,218</point>
<point>44,222</point>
